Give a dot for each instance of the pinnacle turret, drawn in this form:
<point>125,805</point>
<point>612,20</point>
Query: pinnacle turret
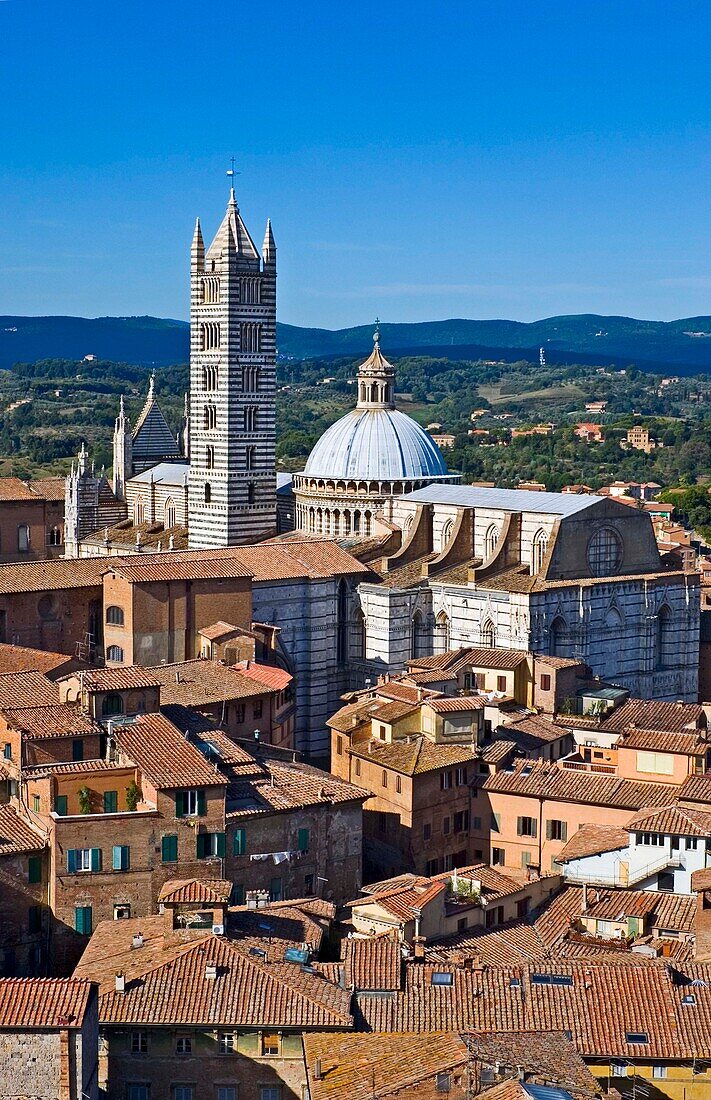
<point>197,251</point>
<point>269,245</point>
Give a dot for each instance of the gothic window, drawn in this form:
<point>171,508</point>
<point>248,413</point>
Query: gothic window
<point>210,457</point>
<point>358,635</point>
<point>613,619</point>
<point>346,523</point>
<point>114,653</point>
<point>366,524</point>
<point>446,534</point>
<point>418,639</point>
<point>210,289</point>
<point>488,635</point>
<point>169,513</point>
<point>356,522</point>
<point>209,417</point>
<point>54,536</point>
<point>312,521</point>
<point>250,418</point>
<point>209,378</point>
<point>114,615</point>
<point>23,538</point>
<point>250,337</point>
<point>407,529</point>
<point>208,492</point>
<point>604,552</point>
<point>665,656</point>
<point>250,291</point>
<point>250,379</point>
<point>560,644</point>
<point>251,493</point>
<point>539,547</point>
<point>491,541</point>
<point>209,336</point>
<point>319,521</point>
<point>336,523</point>
<point>441,638</point>
<point>342,623</point>
<point>139,512</point>
<point>250,454</point>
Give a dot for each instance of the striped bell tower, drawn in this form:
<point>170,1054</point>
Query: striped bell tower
<point>232,483</point>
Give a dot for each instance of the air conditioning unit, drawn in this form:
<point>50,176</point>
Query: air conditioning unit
<point>218,929</point>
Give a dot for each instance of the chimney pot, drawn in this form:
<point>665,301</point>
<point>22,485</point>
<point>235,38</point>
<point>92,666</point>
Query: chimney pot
<point>138,939</point>
<point>210,971</point>
<point>120,982</point>
<point>318,1072</point>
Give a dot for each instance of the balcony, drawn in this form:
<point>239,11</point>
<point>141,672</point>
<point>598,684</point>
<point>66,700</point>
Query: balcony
<point>575,764</point>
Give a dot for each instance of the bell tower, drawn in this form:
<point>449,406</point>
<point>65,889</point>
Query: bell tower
<point>232,482</point>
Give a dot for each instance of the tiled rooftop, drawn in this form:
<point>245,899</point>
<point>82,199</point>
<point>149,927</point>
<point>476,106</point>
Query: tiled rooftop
<point>456,704</point>
<point>414,756</point>
<point>119,678</point>
<point>16,834</point>
<point>289,786</point>
<point>540,779</point>
<point>43,1003</point>
<point>52,575</point>
<point>203,682</point>
<point>592,840</point>
<point>201,891</point>
<point>20,658</point>
<point>673,820</point>
<point>373,963</point>
<point>43,723</point>
<point>164,755</point>
<point>27,689</point>
<point>653,714</point>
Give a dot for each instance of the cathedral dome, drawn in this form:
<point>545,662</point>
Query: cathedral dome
<point>377,444</point>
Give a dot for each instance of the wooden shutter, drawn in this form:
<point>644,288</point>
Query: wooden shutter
<point>71,860</point>
<point>169,848</point>
<point>202,804</point>
<point>200,846</point>
<point>303,840</point>
<point>239,843</point>
<point>179,808</point>
<point>95,859</point>
<point>220,844</point>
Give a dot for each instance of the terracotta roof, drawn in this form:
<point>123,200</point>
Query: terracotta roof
<point>173,566</point>
<point>372,963</point>
<point>27,689</point>
<point>535,726</point>
<point>16,834</point>
<point>72,767</point>
<point>434,676</point>
<point>120,679</point>
<point>404,904</point>
<point>543,780</point>
<point>245,993</point>
<point>204,682</point>
<point>150,536</point>
<point>49,488</point>
<point>687,743</point>
<point>221,629</point>
<point>456,659</point>
<point>164,755</point>
<point>51,575</point>
<point>546,1057</point>
<point>592,840</point>
<point>696,788</point>
<point>672,820</point>
<point>289,786</point>
<point>205,892</point>
<point>673,912</point>
<point>414,756</point>
<point>559,662</point>
<point>652,714</point>
<point>499,750</point>
<point>59,720</point>
<point>371,1067</point>
<point>43,1003</point>
<point>20,658</point>
<point>404,693</point>
<point>454,704</point>
<point>394,710</point>
<point>11,488</point>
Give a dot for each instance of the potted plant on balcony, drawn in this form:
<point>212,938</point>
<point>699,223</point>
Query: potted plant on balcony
<point>133,795</point>
<point>84,795</point>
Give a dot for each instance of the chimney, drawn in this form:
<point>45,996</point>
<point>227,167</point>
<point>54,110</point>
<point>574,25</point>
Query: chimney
<point>420,695</point>
<point>137,940</point>
<point>177,676</point>
<point>418,948</point>
<point>210,972</point>
<point>120,982</point>
<point>317,1070</point>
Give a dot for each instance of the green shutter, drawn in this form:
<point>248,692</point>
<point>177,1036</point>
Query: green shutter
<point>239,844</point>
<point>519,826</point>
<point>34,869</point>
<point>220,844</point>
<point>549,830</point>
<point>60,805</point>
<point>96,859</point>
<point>110,802</point>
<point>564,830</point>
<point>77,749</point>
<point>82,919</point>
<point>122,857</point>
<point>71,860</point>
<point>179,804</point>
<point>169,848</point>
<point>201,845</point>
<point>202,804</point>
<point>303,840</point>
<point>534,827</point>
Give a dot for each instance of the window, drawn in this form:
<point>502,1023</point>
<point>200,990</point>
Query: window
<point>83,859</point>
<point>441,633</point>
<point>227,1042</point>
<point>308,885</point>
<point>114,653</point>
<point>209,417</point>
<point>522,907</point>
<point>226,1092</point>
<point>270,1043</point>
<point>112,704</point>
<point>139,1042</point>
<point>77,749</point>
<point>183,1045</point>
<point>539,546</point>
<point>461,821</point>
<point>276,889</point>
<point>619,1069</point>
<point>239,842</point>
<point>23,538</point>
<point>240,713</point>
<point>210,457</point>
<point>659,1072</point>
<point>34,919</point>
<point>525,859</point>
<point>250,418</point>
<point>60,805</point>
<point>636,1037</point>
<point>114,615</point>
<point>82,920</point>
<point>604,552</point>
<point>209,336</point>
<point>564,980</point>
<point>426,832</point>
<point>556,830</point>
<point>257,709</point>
<point>190,803</point>
<point>446,823</point>
<point>122,912</point>
<point>7,751</point>
<point>431,867</point>
<point>136,1091</point>
<point>270,1092</point>
<point>210,845</point>
<point>442,978</point>
<point>461,777</point>
<point>208,492</point>
<point>121,857</point>
<point>527,826</point>
<point>303,840</point>
<point>498,857</point>
<point>110,802</point>
<point>445,781</point>
<point>462,924</point>
<point>251,493</point>
<point>169,848</point>
<point>169,515</point>
<point>34,870</point>
<point>384,780</point>
<point>496,823</point>
<point>491,540</point>
<point>658,763</point>
<point>494,916</point>
<point>182,1092</point>
<point>398,784</point>
<point>443,1082</point>
<point>357,766</point>
<point>545,682</point>
<point>36,803</point>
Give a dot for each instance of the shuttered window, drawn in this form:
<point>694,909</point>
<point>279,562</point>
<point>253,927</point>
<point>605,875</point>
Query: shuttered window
<point>169,848</point>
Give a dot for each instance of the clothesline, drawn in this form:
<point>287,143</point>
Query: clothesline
<point>278,857</point>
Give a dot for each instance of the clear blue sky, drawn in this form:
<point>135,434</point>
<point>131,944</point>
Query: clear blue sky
<point>510,158</point>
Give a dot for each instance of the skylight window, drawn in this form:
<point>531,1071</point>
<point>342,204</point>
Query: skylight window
<point>689,999</point>
<point>636,1036</point>
<point>441,977</point>
<point>552,979</point>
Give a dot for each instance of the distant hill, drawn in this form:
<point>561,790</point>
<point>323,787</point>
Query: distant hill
<point>683,346</point>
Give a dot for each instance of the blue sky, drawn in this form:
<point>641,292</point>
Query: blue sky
<point>506,158</point>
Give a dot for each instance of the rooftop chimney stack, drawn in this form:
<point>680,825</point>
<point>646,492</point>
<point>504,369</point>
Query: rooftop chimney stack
<point>120,982</point>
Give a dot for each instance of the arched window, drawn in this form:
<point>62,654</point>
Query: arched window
<point>312,521</point>
<point>665,656</point>
<point>112,704</point>
<point>114,615</point>
<point>209,378</point>
<point>613,619</point>
<point>114,653</point>
<point>54,536</point>
<point>407,527</point>
<point>488,635</point>
<point>491,541</point>
<point>319,521</point>
<point>342,622</point>
<point>441,633</point>
<point>336,522</point>
<point>560,645</point>
<point>356,522</point>
<point>23,538</point>
<point>539,548</point>
<point>358,635</point>
<point>250,455</point>
<point>208,492</point>
<point>604,552</point>
<point>446,534</point>
<point>418,638</point>
<point>209,417</point>
<point>367,526</point>
<point>139,511</point>
<point>169,516</point>
<point>346,523</point>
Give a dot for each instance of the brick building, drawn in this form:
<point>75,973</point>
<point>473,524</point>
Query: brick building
<point>31,518</point>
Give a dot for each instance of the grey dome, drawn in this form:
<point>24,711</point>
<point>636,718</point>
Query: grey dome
<point>377,444</point>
